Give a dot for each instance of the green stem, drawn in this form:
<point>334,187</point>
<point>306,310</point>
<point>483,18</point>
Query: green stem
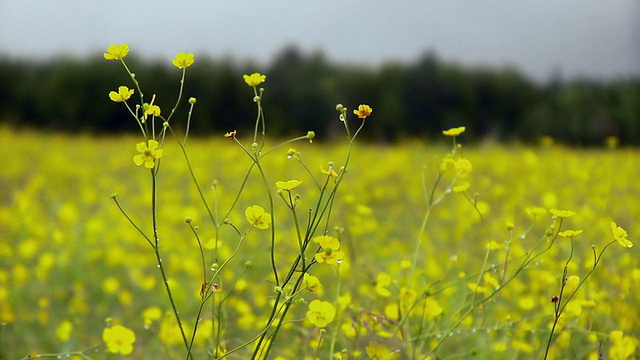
<point>165,280</point>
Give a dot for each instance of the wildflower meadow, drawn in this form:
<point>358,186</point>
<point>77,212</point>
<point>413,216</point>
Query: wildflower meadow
<point>165,245</point>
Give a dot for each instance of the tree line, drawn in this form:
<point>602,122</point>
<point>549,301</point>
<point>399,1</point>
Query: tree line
<point>410,99</point>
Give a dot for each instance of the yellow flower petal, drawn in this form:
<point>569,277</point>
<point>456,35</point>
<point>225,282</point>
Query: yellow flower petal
<point>462,187</point>
<point>562,213</point>
<point>454,131</point>
<point>183,60</point>
<point>288,185</point>
<point>116,52</point>
<point>363,111</point>
<point>254,79</point>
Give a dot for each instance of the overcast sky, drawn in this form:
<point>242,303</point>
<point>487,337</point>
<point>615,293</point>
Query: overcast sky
<point>593,38</point>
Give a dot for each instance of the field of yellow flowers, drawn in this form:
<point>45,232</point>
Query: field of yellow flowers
<point>72,265</point>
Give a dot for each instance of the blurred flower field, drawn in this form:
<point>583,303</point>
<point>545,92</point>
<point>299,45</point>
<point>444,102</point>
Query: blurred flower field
<point>71,264</point>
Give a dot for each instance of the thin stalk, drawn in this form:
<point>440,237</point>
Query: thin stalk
<point>165,280</point>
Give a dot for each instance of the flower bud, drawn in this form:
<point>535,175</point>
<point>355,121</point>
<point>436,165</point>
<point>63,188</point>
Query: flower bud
<point>248,264</point>
<point>311,135</point>
<point>192,100</point>
<point>339,107</point>
<point>188,219</point>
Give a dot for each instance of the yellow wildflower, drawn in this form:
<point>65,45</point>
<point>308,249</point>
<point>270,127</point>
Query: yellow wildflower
<point>64,330</point>
<point>288,185</point>
<point>116,52</point>
<point>622,346</point>
<point>462,187</point>
<point>119,339</point>
<point>151,314</point>
<point>379,352</point>
<point>562,213</point>
<point>258,217</point>
<point>254,79</point>
<point>363,111</point>
<point>332,173</point>
<point>310,283</point>
<point>321,313</point>
<point>123,94</point>
<point>382,281</point>
<point>454,131</point>
<point>230,134</point>
<point>463,167</point>
<point>150,109</point>
<point>330,253</point>
<point>536,211</point>
<point>432,308</point>
<point>183,60</point>
<point>149,152</point>
<point>570,233</point>
<point>620,235</point>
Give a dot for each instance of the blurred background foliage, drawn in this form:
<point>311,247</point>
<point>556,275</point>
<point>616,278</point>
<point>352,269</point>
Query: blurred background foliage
<point>419,98</point>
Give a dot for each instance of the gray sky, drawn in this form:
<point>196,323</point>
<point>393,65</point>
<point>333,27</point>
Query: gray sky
<point>594,38</point>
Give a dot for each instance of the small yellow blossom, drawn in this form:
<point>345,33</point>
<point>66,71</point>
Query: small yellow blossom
<point>329,172</point>
<point>254,79</point>
<point>363,111</point>
<point>432,308</point>
<point>258,217</point>
<point>454,131</point>
<point>64,330</point>
<point>570,233</point>
<point>382,281</point>
<point>571,283</point>
<point>462,187</point>
<point>149,152</point>
<point>151,314</point>
<point>288,185</point>
<point>150,109</point>
<point>463,167</point>
<point>536,211</point>
<point>310,283</point>
<point>183,60</point>
<point>379,352</point>
<point>494,245</point>
<point>562,213</point>
<point>330,252</point>
<point>119,339</point>
<point>620,235</point>
<point>622,346</point>
<point>321,313</point>
<point>230,134</point>
<point>116,52</point>
<point>123,94</point>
